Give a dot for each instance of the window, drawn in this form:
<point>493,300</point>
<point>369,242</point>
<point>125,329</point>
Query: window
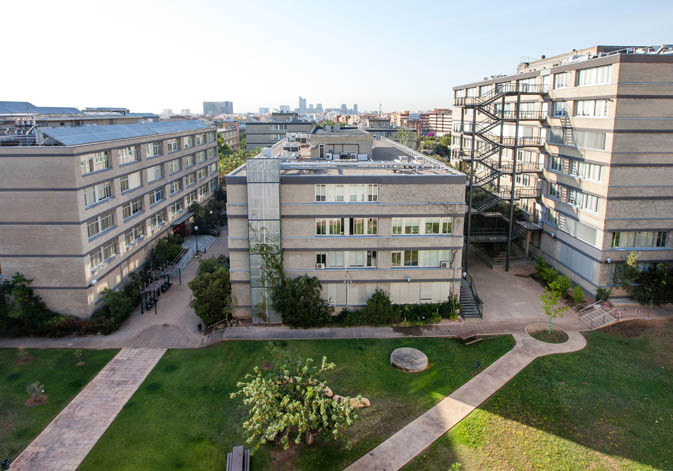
<point>372,226</point>
<point>554,190</point>
<point>100,224</point>
<point>335,259</point>
<point>155,173</point>
<point>134,234</point>
<point>211,153</point>
<point>561,80</point>
<point>447,225</point>
<point>335,226</point>
<point>158,220</point>
<point>201,173</point>
<point>555,163</point>
<point>321,257</point>
<point>173,166</point>
<point>201,156</point>
<point>172,145</point>
<point>95,162</point>
<point>639,239</point>
<point>203,191</point>
<point>526,85</point>
<point>188,161</point>
<point>591,108</point>
<point>97,193</point>
<point>432,225</point>
<point>103,254</point>
<point>560,108</point>
<point>372,192</point>
<point>321,226</point>
<point>176,207</point>
<point>356,193</point>
<point>189,179</point>
<point>200,139</point>
<point>175,187</point>
<point>128,155</point>
<point>190,198</point>
<point>130,181</point>
<point>339,193</point>
<point>589,139</point>
<point>321,192</point>
<point>397,226</point>
<point>157,195</point>
<point>132,208</point>
<point>212,168</point>
<point>213,184</point>
<point>279,127</point>
<point>411,258</point>
<point>187,142</point>
<point>593,76</point>
<point>153,149</point>
<point>411,226</point>
<point>211,137</point>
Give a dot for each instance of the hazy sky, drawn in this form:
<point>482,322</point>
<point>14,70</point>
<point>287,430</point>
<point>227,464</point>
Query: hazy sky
<point>151,55</point>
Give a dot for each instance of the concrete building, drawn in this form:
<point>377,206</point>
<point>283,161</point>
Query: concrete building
<point>357,212</point>
<point>81,206</point>
<point>213,108</point>
<point>593,135</point>
<point>438,121</point>
<point>264,110</point>
<point>229,131</point>
<point>302,105</point>
<point>260,134</point>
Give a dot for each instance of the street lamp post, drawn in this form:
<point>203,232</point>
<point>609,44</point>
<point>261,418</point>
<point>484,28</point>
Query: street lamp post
<point>196,238</point>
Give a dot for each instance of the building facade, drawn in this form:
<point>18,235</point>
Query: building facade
<point>592,132</point>
<point>260,134</point>
<point>229,132</point>
<point>439,122</point>
<point>81,206</point>
<point>213,108</point>
<point>358,213</point>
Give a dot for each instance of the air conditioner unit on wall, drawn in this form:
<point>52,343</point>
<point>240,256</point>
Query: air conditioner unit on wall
<point>444,264</point>
<point>319,266</point>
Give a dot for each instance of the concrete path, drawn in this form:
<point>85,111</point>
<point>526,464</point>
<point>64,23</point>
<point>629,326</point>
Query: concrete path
<point>66,441</point>
<point>413,439</point>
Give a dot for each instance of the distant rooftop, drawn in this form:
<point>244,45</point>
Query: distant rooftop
<point>23,107</point>
<point>72,136</point>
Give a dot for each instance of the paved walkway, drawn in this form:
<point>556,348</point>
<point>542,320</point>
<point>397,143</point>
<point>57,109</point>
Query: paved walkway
<point>66,441</point>
<point>413,439</point>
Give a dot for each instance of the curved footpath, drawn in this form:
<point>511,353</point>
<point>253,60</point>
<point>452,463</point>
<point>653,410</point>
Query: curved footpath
<point>413,439</point>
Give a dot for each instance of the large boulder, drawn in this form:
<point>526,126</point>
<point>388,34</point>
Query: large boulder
<point>409,359</point>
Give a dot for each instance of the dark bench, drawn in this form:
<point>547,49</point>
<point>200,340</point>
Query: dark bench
<point>238,459</point>
<point>470,337</point>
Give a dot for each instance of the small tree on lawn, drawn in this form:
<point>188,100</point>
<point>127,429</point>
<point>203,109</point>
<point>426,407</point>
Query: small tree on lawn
<point>212,291</point>
<point>290,402</point>
<point>550,302</point>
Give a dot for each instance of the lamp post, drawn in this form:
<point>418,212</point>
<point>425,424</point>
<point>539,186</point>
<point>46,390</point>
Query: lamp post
<point>196,238</point>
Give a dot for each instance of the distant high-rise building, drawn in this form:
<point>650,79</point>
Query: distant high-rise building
<point>185,112</point>
<point>284,108</point>
<point>344,109</point>
<point>318,108</point>
<point>212,108</point>
<point>310,107</point>
<point>355,108</point>
<point>263,110</point>
<point>302,105</point>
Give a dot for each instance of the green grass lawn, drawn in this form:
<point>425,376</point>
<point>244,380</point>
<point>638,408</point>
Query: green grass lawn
<point>607,407</point>
<point>182,417</point>
<point>62,380</point>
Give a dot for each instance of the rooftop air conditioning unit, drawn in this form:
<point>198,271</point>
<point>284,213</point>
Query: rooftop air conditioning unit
<point>444,264</point>
<point>329,156</point>
<point>319,266</point>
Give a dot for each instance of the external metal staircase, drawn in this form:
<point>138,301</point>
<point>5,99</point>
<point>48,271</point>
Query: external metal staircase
<point>470,304</point>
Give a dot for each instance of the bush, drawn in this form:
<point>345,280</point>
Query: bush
<point>117,307</point>
<point>562,284</point>
<point>578,295</point>
<point>212,291</point>
<point>166,250</point>
<point>299,300</point>
<point>602,294</point>
<point>379,310</point>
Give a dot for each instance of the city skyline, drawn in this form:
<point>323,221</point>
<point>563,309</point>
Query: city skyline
<point>401,62</point>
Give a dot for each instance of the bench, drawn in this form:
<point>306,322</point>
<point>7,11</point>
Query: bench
<point>238,459</point>
<point>470,337</point>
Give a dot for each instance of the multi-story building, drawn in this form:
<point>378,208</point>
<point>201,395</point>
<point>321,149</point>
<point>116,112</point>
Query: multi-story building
<point>358,213</point>
<point>439,121</point>
<point>229,132</point>
<point>213,108</point>
<point>593,138</point>
<point>260,134</point>
<point>81,206</point>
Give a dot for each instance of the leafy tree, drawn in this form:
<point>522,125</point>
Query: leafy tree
<point>406,137</point>
<point>165,250</point>
<point>654,285</point>
<point>22,307</point>
<point>290,402</point>
<point>211,289</point>
<point>379,310</point>
<point>222,148</point>
<point>550,302</point>
<point>445,140</point>
<point>299,300</point>
<point>208,216</point>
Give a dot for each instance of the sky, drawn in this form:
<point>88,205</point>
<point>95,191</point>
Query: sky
<point>400,55</point>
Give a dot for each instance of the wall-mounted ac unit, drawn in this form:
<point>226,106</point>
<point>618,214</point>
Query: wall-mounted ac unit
<point>319,266</point>
<point>444,264</point>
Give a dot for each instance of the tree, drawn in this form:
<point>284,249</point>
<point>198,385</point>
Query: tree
<point>653,285</point>
<point>211,289</point>
<point>550,302</point>
<point>299,300</point>
<point>406,137</point>
<point>290,402</point>
<point>22,306</point>
<point>222,148</point>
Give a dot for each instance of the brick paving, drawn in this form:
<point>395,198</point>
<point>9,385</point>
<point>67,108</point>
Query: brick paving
<point>66,441</point>
<point>414,438</point>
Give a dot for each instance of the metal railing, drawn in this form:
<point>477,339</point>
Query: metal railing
<point>475,295</point>
<point>505,88</point>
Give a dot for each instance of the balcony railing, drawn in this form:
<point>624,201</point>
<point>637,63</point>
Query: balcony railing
<point>507,88</point>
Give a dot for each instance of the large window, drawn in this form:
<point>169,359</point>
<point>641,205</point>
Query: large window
<point>212,168</point>
<point>211,153</point>
<point>420,258</point>
<point>200,139</point>
<point>103,254</point>
<point>155,173</point>
<point>561,80</point>
<point>189,179</point>
<point>173,166</point>
<point>157,195</point>
<point>422,226</point>
<point>190,198</point>
<point>172,145</point>
<point>97,193</point>
<point>201,173</point>
<point>132,208</point>
<point>130,181</point>
<point>176,207</point>
<point>577,138</point>
<point>593,76</point>
<point>95,162</point>
<point>560,108</point>
<point>153,149</point>
<point>203,191</point>
<point>100,224</point>
<point>591,108</point>
<point>187,142</point>
<point>158,220</point>
<point>346,258</point>
<point>346,226</point>
<point>188,161</point>
<point>353,193</point>
<point>573,196</point>
<point>201,156</point>
<point>175,187</point>
<point>639,239</point>
<point>133,235</point>
<point>128,155</point>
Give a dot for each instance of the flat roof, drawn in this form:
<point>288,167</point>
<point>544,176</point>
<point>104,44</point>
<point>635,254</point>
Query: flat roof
<point>72,136</point>
<point>24,107</point>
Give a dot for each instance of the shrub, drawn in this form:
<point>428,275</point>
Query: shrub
<point>578,295</point>
<point>602,294</point>
<point>212,291</point>
<point>562,284</point>
<point>299,300</point>
<point>166,250</point>
<point>379,310</point>
<point>117,307</point>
